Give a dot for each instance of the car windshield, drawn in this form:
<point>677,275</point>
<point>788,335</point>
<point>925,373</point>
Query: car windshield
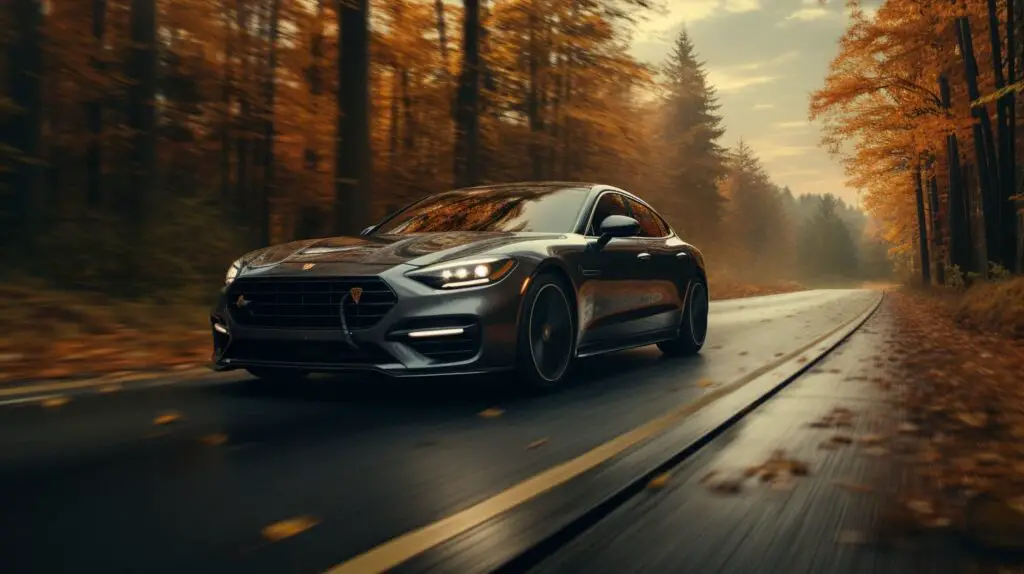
<point>538,208</point>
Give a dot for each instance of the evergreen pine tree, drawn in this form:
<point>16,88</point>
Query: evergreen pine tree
<point>692,128</point>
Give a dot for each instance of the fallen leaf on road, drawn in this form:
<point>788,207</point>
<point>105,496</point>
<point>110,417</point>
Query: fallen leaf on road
<point>537,443</point>
<point>166,418</point>
<point>921,506</point>
<point>659,481</point>
<point>801,360</point>
<point>727,485</point>
<point>705,383</point>
<point>215,439</point>
<point>870,439</point>
<point>743,353</point>
<point>288,528</point>
<point>108,389</point>
<point>54,402</point>
<point>842,439</point>
<point>976,420</point>
<point>491,413</point>
<point>876,451</point>
<point>853,486</point>
<point>908,428</point>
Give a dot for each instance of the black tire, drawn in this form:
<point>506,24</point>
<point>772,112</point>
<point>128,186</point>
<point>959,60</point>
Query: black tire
<point>272,375</point>
<point>546,340</point>
<point>693,328</point>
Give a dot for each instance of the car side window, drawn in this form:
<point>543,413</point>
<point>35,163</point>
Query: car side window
<point>608,204</point>
<point>651,225</point>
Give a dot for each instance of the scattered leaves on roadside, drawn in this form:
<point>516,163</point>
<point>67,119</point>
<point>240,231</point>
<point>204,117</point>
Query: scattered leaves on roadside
<point>659,481</point>
<point>288,528</point>
<point>705,383</point>
<point>853,486</point>
<point>54,402</point>
<point>537,444</point>
<point>491,413</point>
<point>215,439</point>
<point>167,418</point>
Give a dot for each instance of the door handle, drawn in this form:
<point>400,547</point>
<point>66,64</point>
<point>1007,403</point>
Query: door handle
<point>644,256</point>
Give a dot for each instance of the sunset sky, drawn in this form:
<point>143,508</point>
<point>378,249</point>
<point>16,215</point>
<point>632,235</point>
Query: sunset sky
<point>764,57</point>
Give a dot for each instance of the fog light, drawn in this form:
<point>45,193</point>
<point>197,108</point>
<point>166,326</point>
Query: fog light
<point>436,333</point>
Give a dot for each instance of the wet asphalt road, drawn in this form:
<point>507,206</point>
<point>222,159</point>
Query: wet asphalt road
<point>94,485</point>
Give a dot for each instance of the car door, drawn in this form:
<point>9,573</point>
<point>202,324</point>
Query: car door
<point>661,271</point>
<point>608,294</point>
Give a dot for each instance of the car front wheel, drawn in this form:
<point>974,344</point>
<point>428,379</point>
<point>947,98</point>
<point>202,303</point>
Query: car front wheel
<point>693,329</point>
<point>547,333</point>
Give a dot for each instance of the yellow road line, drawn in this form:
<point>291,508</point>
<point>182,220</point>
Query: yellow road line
<point>400,549</point>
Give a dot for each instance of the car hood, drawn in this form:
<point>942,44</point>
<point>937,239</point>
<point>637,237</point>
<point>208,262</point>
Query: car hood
<point>389,250</point>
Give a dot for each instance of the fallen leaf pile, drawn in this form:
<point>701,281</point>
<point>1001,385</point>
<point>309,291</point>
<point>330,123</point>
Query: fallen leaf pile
<point>48,334</point>
<point>779,472</point>
<point>963,395</point>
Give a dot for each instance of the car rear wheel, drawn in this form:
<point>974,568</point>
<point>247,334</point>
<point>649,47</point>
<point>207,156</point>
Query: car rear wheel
<point>547,333</point>
<point>693,329</point>
<point>277,375</point>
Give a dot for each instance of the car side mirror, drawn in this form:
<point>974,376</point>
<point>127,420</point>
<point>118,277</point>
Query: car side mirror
<point>367,231</point>
<point>617,226</point>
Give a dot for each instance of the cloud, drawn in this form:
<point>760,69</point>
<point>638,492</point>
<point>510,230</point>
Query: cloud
<point>791,125</point>
<point>741,76</point>
<point>726,81</point>
<point>769,151</point>
<point>808,14</point>
<point>676,12</point>
<point>763,106</point>
<point>742,6</point>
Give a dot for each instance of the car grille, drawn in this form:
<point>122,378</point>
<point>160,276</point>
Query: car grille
<point>306,353</point>
<point>309,303</point>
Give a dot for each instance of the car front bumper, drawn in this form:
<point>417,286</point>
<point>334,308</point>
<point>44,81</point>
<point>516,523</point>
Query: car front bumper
<point>426,333</point>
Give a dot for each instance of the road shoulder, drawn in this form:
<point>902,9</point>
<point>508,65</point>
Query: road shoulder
<point>806,483</point>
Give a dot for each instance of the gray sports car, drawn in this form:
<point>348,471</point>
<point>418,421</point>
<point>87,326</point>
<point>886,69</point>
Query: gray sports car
<point>524,276</point>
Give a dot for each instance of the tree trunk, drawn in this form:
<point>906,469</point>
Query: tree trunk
<point>142,70</point>
<point>984,147</point>
<point>226,118</point>
<point>268,126</point>
<point>534,96</point>
<point>23,132</point>
<point>352,145</point>
<point>467,116</point>
<point>408,123</point>
<point>959,229</point>
<point>94,113</point>
<point>937,235</point>
<point>1007,231</point>
<point>922,226</point>
<point>243,20</point>
<point>315,79</point>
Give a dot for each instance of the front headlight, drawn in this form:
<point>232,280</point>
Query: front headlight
<point>233,272</point>
<point>468,273</point>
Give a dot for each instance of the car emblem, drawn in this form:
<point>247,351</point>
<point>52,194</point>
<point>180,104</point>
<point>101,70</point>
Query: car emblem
<point>356,293</point>
<point>308,266</point>
<point>241,301</point>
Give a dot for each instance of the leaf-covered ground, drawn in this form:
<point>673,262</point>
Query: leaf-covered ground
<point>47,334</point>
<point>963,393</point>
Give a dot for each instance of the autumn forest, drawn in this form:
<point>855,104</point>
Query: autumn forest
<point>156,140</point>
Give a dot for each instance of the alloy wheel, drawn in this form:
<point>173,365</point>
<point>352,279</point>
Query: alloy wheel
<point>550,333</point>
